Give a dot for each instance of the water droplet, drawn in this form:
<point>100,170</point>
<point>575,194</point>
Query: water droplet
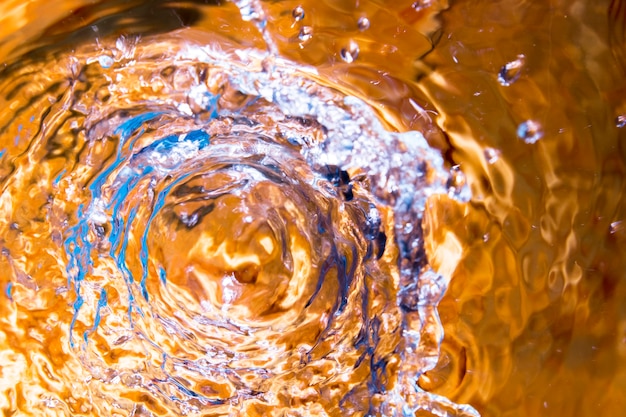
<point>420,4</point>
<point>350,53</point>
<point>492,155</point>
<point>306,33</point>
<point>529,131</point>
<point>510,72</point>
<point>298,13</point>
<point>105,61</point>
<point>616,227</point>
<point>363,23</point>
<point>456,180</point>
<point>620,121</point>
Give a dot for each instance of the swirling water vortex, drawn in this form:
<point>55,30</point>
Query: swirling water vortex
<point>223,234</point>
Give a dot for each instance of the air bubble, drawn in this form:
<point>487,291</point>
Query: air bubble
<point>306,33</point>
<point>363,23</point>
<point>616,227</point>
<point>529,131</point>
<point>620,121</point>
<point>298,13</point>
<point>510,72</point>
<point>492,155</point>
<point>457,179</point>
<point>420,4</point>
<point>350,53</point>
<point>105,61</point>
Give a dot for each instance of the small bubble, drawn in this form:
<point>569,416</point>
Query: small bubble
<point>616,227</point>
<point>620,121</point>
<point>105,61</point>
<point>510,72</point>
<point>363,23</point>
<point>492,155</point>
<point>298,13</point>
<point>457,179</point>
<point>350,53</point>
<point>306,33</point>
<point>529,131</point>
<point>420,4</point>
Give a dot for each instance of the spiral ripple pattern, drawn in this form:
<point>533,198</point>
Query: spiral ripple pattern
<point>215,233</point>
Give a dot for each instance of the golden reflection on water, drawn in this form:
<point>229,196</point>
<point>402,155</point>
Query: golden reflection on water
<point>534,315</point>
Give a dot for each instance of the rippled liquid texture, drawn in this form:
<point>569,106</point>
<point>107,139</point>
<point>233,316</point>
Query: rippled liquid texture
<point>205,209</point>
<point>195,226</point>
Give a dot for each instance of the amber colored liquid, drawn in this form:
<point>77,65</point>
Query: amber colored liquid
<point>525,97</point>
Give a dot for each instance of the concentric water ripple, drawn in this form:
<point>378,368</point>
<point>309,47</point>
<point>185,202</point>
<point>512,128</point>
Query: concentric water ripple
<point>230,237</point>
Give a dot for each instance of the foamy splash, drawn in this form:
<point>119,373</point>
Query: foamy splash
<point>195,227</point>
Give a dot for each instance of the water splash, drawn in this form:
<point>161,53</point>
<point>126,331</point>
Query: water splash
<point>227,234</point>
<point>530,131</point>
<point>511,71</point>
<point>241,231</point>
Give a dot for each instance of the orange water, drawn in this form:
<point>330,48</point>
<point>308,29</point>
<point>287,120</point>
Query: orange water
<point>533,315</point>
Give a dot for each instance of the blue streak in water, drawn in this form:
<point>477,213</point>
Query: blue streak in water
<point>79,249</point>
<point>121,262</point>
<point>9,290</point>
<point>202,139</point>
<point>119,227</point>
<point>77,305</point>
<point>77,244</point>
<point>17,137</point>
<point>126,129</point>
<point>183,389</point>
<point>212,105</point>
<point>102,302</point>
<point>58,177</point>
<point>158,205</point>
<point>162,276</point>
<point>162,146</point>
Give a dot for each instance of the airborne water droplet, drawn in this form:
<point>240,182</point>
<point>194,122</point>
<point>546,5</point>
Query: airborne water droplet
<point>492,155</point>
<point>529,131</point>
<point>363,23</point>
<point>616,227</point>
<point>511,71</point>
<point>306,33</point>
<point>620,121</point>
<point>350,53</point>
<point>298,13</point>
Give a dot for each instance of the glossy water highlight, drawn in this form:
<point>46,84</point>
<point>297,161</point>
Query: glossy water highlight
<point>211,231</point>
